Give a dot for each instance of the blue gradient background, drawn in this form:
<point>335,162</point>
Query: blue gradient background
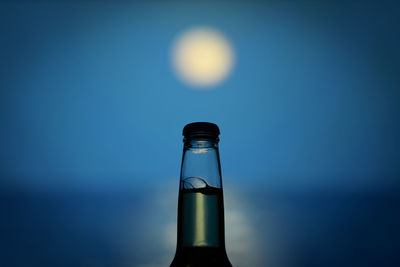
<point>91,115</point>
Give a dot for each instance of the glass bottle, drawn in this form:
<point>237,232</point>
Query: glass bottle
<point>201,237</point>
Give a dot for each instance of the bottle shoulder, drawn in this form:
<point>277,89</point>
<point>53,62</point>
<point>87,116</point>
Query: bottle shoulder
<point>201,257</point>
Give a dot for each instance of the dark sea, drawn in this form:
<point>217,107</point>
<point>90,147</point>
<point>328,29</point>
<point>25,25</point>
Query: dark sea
<point>138,227</point>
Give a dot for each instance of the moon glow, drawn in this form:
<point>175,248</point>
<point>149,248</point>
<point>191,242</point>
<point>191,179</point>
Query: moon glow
<point>202,57</point>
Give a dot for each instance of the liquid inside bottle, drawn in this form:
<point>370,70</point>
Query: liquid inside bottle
<point>200,217</point>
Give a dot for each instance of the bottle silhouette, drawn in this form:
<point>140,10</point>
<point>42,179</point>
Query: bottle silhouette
<point>201,237</point>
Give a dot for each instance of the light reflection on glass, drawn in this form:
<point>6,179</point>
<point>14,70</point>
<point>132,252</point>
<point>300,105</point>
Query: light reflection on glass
<point>199,150</point>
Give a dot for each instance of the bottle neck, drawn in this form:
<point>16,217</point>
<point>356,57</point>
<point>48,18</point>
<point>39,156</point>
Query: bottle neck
<point>200,207</point>
<point>200,164</point>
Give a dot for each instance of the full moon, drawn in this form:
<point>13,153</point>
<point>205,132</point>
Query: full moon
<point>202,57</point>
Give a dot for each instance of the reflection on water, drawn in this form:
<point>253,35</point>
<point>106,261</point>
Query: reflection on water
<point>241,232</point>
<point>139,229</point>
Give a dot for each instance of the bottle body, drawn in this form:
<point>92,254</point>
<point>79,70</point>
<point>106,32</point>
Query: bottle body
<point>200,228</point>
<point>200,237</point>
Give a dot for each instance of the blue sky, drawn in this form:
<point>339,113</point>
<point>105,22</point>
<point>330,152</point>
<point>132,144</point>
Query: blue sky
<point>89,91</point>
